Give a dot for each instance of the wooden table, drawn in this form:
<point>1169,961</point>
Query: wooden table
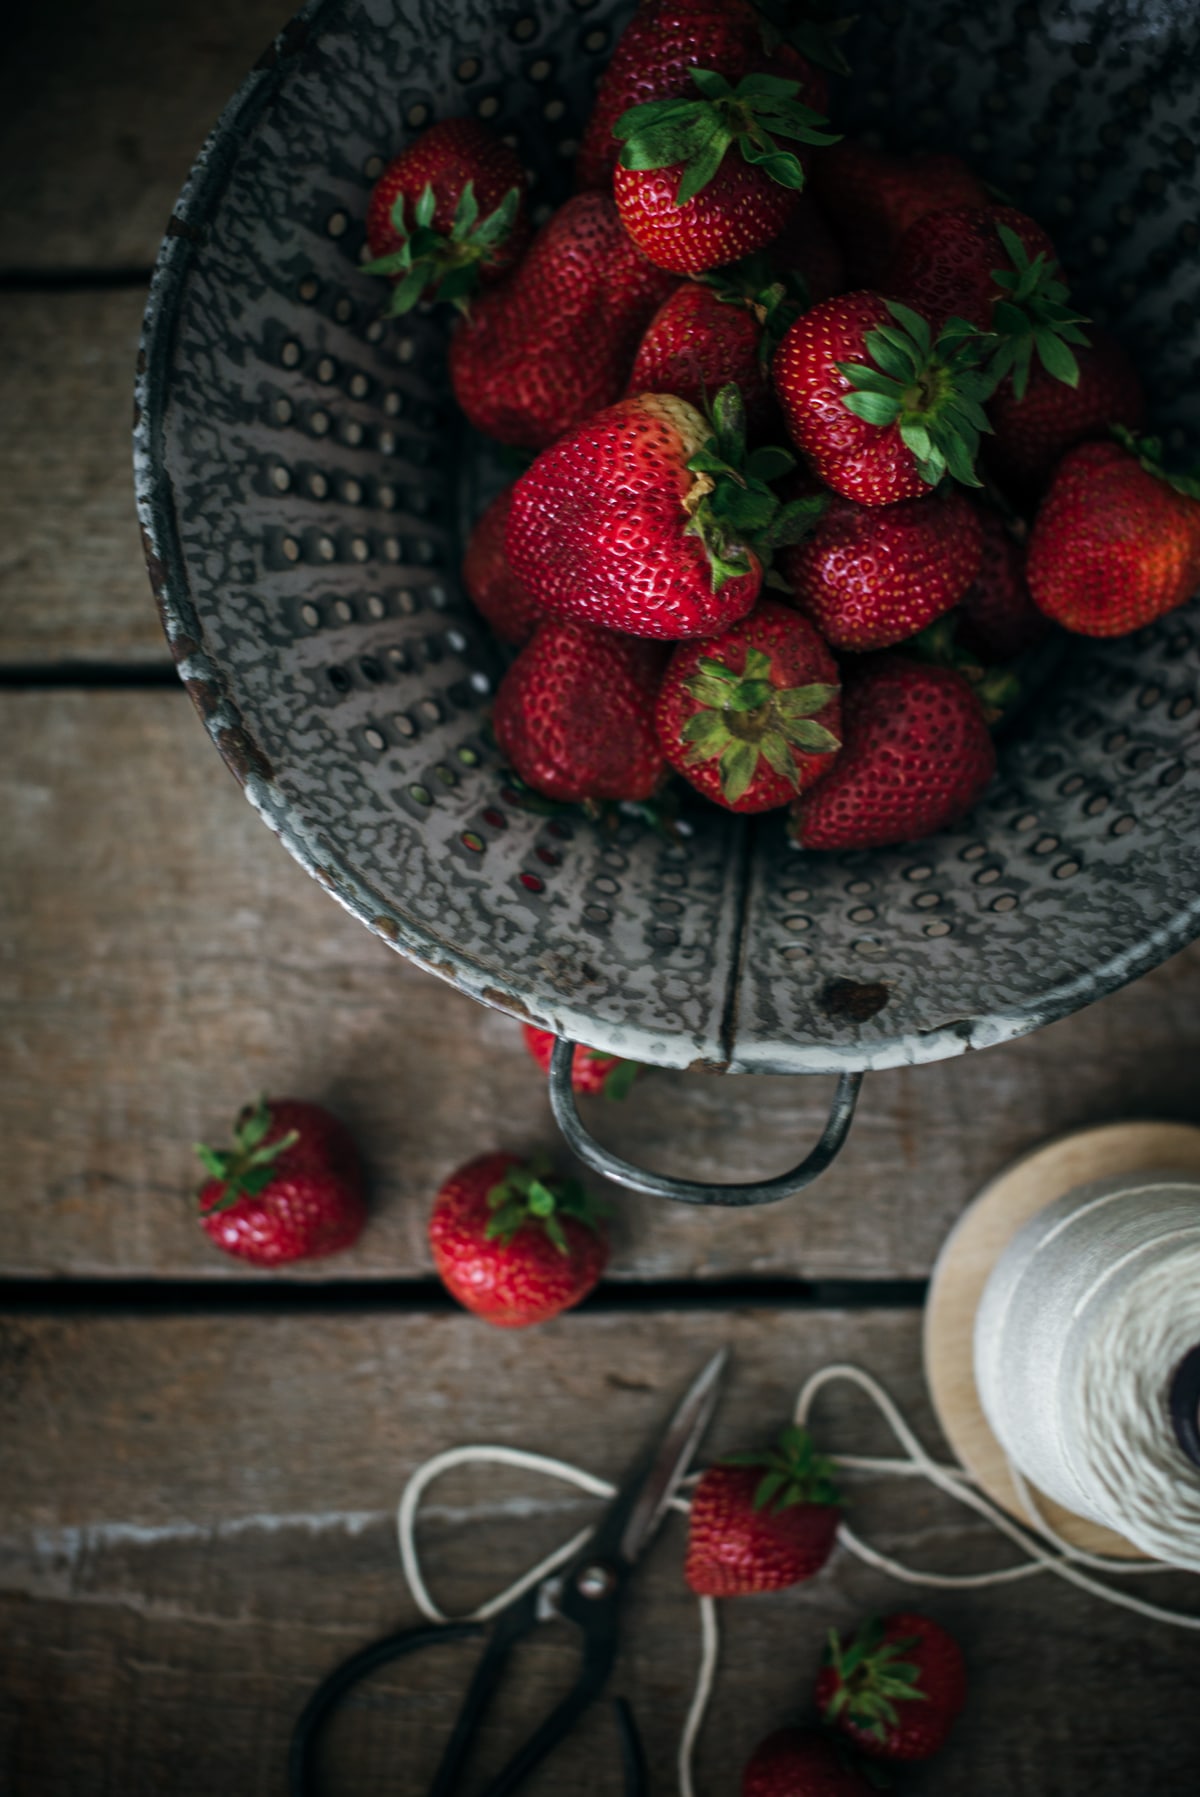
<point>200,1464</point>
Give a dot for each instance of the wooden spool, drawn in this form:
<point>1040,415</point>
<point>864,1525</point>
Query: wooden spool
<point>967,1258</point>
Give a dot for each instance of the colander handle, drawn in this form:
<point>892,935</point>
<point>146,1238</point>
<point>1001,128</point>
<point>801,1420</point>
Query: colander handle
<point>691,1191</point>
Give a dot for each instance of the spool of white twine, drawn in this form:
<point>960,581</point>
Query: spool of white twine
<point>1087,1358</point>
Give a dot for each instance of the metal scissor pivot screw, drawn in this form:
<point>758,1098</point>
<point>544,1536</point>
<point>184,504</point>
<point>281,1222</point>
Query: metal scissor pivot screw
<point>595,1581</point>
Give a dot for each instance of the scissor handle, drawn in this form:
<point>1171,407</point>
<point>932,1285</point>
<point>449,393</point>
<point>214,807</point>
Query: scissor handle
<point>302,1774</point>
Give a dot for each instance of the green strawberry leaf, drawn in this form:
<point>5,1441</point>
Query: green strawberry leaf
<point>618,1083</point>
<point>738,762</point>
<point>425,209</point>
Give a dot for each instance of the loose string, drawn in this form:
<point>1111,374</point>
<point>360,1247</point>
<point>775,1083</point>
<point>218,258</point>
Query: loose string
<point>1053,1554</point>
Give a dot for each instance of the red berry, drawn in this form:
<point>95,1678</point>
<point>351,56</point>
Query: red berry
<point>871,197</point>
<point>514,1242</point>
<point>946,262</point>
<point>895,1686</point>
<point>997,619</point>
<point>752,717</point>
<point>575,713</point>
<point>291,1188</point>
<point>696,342</point>
<point>760,1522</point>
<point>496,591</point>
<point>592,1073</point>
<point>916,755</point>
<point>1033,433</point>
<point>739,210</point>
<point>802,1762</point>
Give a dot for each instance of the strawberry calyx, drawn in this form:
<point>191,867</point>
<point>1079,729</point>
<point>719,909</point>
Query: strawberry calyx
<point>697,133</point>
<point>743,716</point>
<point>934,392</point>
<point>816,38</point>
<point>534,1194</point>
<point>433,265</point>
<point>872,1677</point>
<point>730,505</point>
<point>249,1166</point>
<point>775,301</point>
<point>1034,315</point>
<point>1148,451</point>
<point>793,1471</point>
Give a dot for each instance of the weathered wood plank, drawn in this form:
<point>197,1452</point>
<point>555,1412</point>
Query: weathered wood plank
<point>102,111</point>
<point>198,1524</point>
<point>165,958</point>
<point>73,582</point>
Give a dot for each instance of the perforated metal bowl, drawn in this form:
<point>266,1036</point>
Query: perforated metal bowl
<point>304,485</point>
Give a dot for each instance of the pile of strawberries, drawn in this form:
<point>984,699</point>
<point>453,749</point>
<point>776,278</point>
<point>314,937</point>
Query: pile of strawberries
<point>833,625</point>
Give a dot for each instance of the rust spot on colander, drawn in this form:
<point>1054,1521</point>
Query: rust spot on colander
<point>154,567</point>
<point>386,926</point>
<point>505,1001</point>
<point>705,1066</point>
<point>244,755</point>
<point>853,999</point>
<point>204,697</point>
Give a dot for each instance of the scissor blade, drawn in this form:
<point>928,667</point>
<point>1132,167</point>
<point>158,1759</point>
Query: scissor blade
<point>671,1460</point>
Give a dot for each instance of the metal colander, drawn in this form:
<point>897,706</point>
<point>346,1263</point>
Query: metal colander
<point>305,487</point>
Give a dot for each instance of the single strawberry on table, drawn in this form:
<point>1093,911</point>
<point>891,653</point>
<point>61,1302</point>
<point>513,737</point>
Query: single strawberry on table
<point>802,1762</point>
<point>651,519</point>
<point>762,1521</point>
<point>1032,433</point>
<point>1116,541</point>
<point>869,576</point>
<point>515,1242</point>
<point>752,717</point>
<point>497,593</point>
<point>290,1188</point>
<point>916,754</point>
<point>555,341</point>
<point>574,714</point>
<point>447,215</point>
<point>879,410</point>
<point>705,180</point>
<point>894,1686</point>
<point>871,197</point>
<point>592,1073</point>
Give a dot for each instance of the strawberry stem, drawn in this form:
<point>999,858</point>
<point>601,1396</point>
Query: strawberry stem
<point>1034,316</point>
<point>872,1678</point>
<point>745,716</point>
<point>794,1473</point>
<point>731,506</point>
<point>245,1170</point>
<point>535,1195</point>
<point>431,264</point>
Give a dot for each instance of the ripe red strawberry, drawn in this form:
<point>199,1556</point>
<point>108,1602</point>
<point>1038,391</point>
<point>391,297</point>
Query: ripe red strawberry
<point>701,182</point>
<point>802,1762</point>
<point>291,1188</point>
<point>997,619</point>
<point>869,576</point>
<point>945,265</point>
<point>752,717</point>
<point>663,42</point>
<point>490,582</point>
<point>1116,542</point>
<point>514,1242</point>
<point>575,713</point>
<point>447,214</point>
<point>877,409</point>
<point>895,1686</point>
<point>871,197</point>
<point>642,519</point>
<point>916,754</point>
<point>556,341</point>
<point>762,1521</point>
<point>592,1073</point>
<point>696,343</point>
<point>1033,433</point>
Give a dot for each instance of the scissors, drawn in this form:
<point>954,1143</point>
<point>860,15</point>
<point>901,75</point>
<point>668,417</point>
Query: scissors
<point>586,1591</point>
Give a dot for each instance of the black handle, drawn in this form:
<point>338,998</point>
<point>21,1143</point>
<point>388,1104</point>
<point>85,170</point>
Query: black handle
<point>689,1191</point>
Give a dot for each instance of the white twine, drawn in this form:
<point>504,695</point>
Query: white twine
<point>1053,1555</point>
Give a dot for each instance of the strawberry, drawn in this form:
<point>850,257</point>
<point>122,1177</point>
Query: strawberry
<point>878,410</point>
<point>752,717</point>
<point>491,584</point>
<point>895,1686</point>
<point>291,1188</point>
<point>697,342</point>
<point>642,519</point>
<point>871,197</point>
<point>592,1073</point>
<point>869,576</point>
<point>555,342</point>
<point>1032,433</point>
<point>1116,542</point>
<point>916,755</point>
<point>575,713</point>
<point>660,46</point>
<point>760,1522</point>
<point>997,620</point>
<point>447,214</point>
<point>700,182</point>
<point>514,1242</point>
<point>802,1762</point>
